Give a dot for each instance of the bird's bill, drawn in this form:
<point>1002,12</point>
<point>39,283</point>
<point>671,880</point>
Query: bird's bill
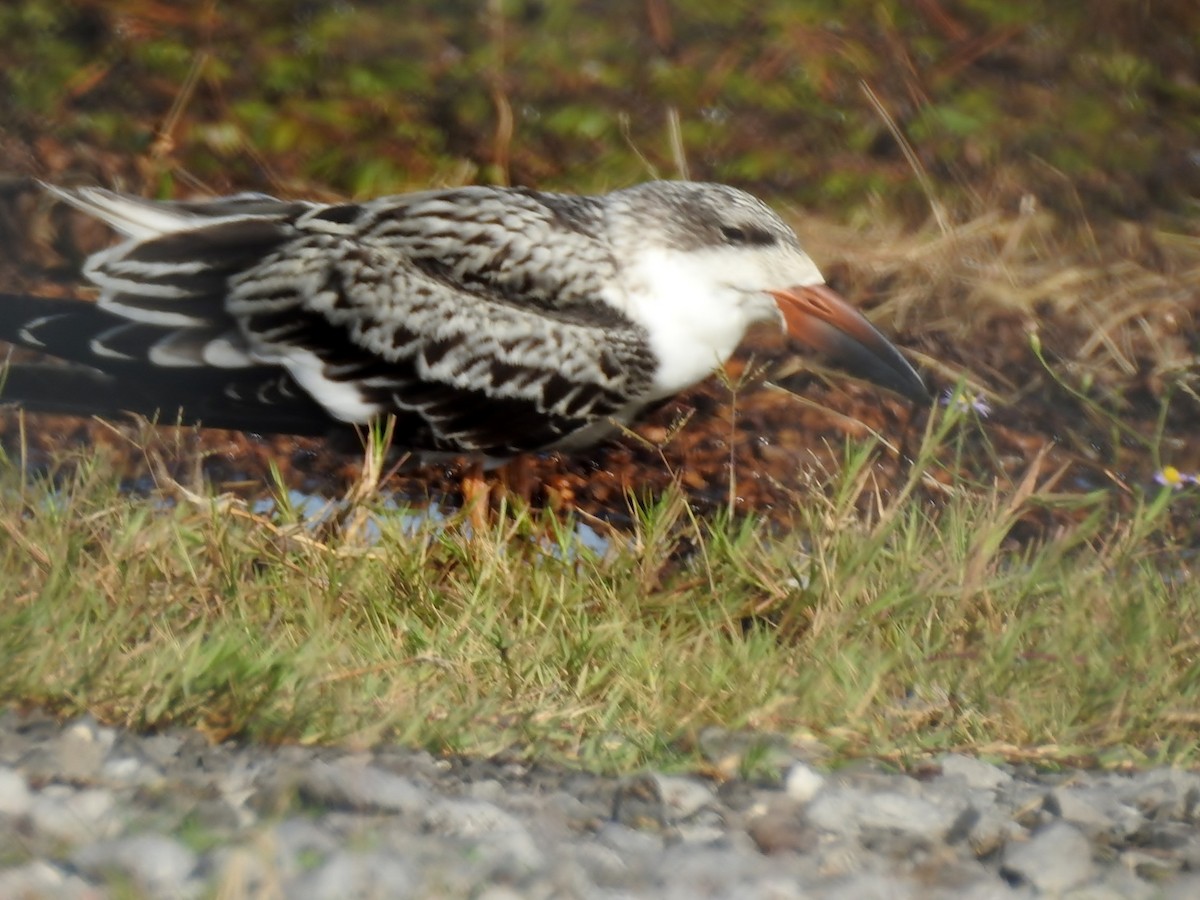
<point>821,320</point>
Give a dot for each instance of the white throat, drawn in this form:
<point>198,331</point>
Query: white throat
<point>694,321</point>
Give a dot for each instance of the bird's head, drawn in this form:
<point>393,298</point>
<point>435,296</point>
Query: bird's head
<point>733,240</point>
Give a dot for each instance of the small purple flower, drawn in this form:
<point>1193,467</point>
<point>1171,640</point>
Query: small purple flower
<point>977,404</point>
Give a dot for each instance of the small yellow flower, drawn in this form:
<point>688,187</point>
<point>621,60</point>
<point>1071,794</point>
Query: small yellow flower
<point>1169,476</point>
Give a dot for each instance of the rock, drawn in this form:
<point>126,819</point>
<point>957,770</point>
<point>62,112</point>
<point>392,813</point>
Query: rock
<point>489,790</point>
<point>1186,888</point>
<point>683,798</point>
<point>157,864</point>
<point>1164,793</point>
<point>1054,860</point>
<point>870,886</point>
<point>738,795</point>
<point>1150,865</point>
<point>499,892</point>
<point>878,817</point>
<point>40,880</point>
<point>781,831</point>
<point>990,829</point>
<point>689,872</point>
<point>125,769</point>
<point>301,843</point>
<point>974,773</point>
<point>840,856</point>
<point>162,749</point>
<point>638,803</point>
<point>574,812</point>
<point>15,798</point>
<point>395,823</point>
<point>1096,811</point>
<point>505,838</point>
<point>82,749</point>
<point>349,876</point>
<point>60,813</point>
<point>242,871</point>
<point>602,865</point>
<point>468,818</point>
<point>351,783</point>
<point>630,843</point>
<point>803,782</point>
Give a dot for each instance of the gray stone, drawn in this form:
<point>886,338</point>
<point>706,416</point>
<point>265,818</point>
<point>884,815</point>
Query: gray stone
<point>489,790</point>
<point>912,816</point>
<point>683,798</point>
<point>878,815</point>
<point>353,783</point>
<point>687,872</point>
<point>241,871</point>
<point>15,798</point>
<point>836,811</point>
<point>990,889</point>
<point>990,829</point>
<point>975,773</point>
<point>394,823</point>
<point>130,770</point>
<point>840,856</point>
<point>603,865</point>
<point>638,803</point>
<point>161,749</point>
<point>1164,793</point>
<point>298,842</point>
<point>350,876</point>
<point>803,782</point>
<point>156,863</point>
<point>216,814</point>
<point>40,880</point>
<point>871,886</point>
<point>1116,886</point>
<point>1151,865</point>
<point>1186,847</point>
<point>82,748</point>
<point>1185,888</point>
<point>781,831</point>
<point>468,818</point>
<point>499,892</point>
<point>1094,810</point>
<point>60,813</point>
<point>707,827</point>
<point>630,843</point>
<point>1054,860</point>
<point>506,838</point>
<point>573,810</point>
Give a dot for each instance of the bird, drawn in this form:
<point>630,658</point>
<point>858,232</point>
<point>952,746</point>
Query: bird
<point>490,321</point>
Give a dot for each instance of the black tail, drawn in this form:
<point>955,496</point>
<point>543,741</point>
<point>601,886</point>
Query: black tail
<point>103,370</point>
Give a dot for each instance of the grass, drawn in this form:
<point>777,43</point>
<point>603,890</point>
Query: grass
<point>882,624</point>
<point>1012,590</point>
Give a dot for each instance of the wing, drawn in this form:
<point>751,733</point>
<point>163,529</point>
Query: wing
<point>473,314</point>
<point>476,311</point>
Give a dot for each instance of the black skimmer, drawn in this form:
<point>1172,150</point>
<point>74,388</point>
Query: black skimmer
<point>490,321</point>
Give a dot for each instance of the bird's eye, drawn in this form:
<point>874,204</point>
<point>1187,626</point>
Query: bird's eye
<point>748,235</point>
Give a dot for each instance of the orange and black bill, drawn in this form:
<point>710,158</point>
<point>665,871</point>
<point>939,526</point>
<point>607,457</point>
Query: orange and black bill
<point>821,320</point>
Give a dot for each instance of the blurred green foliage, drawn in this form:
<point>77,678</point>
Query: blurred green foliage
<point>1093,107</point>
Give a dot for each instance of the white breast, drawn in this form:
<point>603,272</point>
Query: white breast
<point>694,320</point>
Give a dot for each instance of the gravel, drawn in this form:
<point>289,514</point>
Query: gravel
<point>88,811</point>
